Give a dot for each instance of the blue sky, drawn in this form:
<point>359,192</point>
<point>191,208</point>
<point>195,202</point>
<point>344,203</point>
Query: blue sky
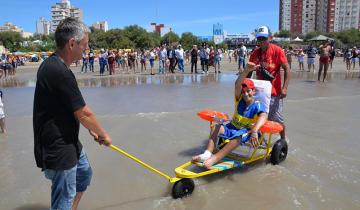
<point>196,16</point>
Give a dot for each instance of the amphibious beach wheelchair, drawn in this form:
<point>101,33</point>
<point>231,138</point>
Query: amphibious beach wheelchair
<point>183,185</point>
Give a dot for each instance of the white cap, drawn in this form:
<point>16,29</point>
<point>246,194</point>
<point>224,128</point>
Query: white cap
<point>262,31</point>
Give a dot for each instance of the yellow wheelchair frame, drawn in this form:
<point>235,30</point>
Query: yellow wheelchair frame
<point>183,185</point>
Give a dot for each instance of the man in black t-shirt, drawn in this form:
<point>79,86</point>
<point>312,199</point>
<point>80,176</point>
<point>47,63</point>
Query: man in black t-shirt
<point>59,108</point>
<point>91,61</point>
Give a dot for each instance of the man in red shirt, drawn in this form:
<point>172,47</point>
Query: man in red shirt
<point>267,60</point>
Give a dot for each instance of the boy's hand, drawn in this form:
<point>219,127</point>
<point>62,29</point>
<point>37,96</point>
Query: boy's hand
<point>254,139</point>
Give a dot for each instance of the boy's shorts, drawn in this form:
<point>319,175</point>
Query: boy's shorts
<point>231,132</point>
<point>66,183</point>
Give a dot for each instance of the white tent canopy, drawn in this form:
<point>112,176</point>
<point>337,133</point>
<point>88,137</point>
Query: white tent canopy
<point>297,39</point>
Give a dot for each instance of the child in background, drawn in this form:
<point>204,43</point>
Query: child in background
<point>301,57</point>
<point>2,114</point>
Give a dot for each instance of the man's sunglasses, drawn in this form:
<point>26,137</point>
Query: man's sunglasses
<point>261,38</point>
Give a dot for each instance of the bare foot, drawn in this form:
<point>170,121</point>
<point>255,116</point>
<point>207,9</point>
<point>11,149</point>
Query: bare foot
<point>211,161</point>
<point>196,158</point>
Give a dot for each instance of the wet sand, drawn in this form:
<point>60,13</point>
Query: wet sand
<point>154,118</point>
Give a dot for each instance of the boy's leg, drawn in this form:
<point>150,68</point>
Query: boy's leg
<point>222,153</point>
<point>215,130</point>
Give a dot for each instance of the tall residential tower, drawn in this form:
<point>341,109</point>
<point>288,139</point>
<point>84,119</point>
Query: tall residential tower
<point>62,10</point>
<point>42,26</point>
<point>303,16</point>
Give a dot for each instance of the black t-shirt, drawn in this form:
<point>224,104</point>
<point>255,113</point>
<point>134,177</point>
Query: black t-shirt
<point>56,130</point>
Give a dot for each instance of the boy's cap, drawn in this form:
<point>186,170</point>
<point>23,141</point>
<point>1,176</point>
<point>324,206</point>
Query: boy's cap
<point>246,84</point>
<point>263,31</point>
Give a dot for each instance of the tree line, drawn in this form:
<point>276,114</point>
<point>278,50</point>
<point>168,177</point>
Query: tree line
<point>344,38</point>
<point>136,37</point>
<point>131,37</point>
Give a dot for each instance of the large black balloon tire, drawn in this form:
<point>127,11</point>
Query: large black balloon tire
<point>183,188</point>
<point>279,152</point>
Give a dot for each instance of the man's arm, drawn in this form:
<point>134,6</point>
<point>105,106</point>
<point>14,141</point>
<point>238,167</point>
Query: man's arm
<point>88,119</point>
<point>286,68</point>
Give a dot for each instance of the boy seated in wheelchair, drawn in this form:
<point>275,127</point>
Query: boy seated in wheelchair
<point>249,116</point>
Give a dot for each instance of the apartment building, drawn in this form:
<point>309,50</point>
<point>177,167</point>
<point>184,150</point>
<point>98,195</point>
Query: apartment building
<point>285,15</point>
<point>101,25</point>
<point>42,26</point>
<point>62,10</point>
<point>320,15</point>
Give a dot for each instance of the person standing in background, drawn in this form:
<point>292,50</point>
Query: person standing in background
<point>311,55</point>
<point>242,57</point>
<point>324,59</point>
<point>194,59</point>
<point>180,58</point>
<point>91,61</point>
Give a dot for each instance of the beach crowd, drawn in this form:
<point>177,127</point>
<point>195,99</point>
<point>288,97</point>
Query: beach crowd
<point>173,58</point>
